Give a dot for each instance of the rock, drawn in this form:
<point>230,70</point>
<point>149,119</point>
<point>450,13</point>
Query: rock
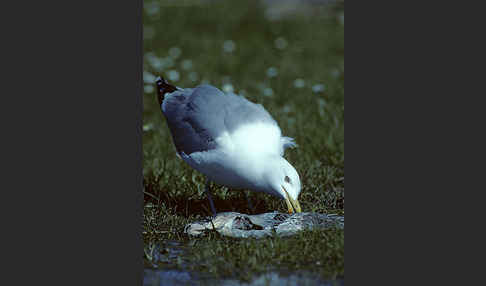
<point>239,225</point>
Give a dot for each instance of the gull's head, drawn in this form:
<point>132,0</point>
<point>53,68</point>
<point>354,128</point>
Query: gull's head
<point>283,181</point>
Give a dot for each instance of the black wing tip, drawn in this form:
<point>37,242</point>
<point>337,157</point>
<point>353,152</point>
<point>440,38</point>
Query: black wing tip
<point>163,87</point>
<point>162,83</point>
<point>160,80</point>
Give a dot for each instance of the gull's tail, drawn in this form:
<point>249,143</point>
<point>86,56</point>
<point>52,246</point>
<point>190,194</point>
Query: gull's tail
<point>163,87</point>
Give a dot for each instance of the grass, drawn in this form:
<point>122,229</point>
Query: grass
<point>294,67</point>
<point>244,258</point>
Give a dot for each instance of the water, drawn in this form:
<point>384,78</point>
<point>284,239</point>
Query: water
<point>178,277</point>
<point>168,254</point>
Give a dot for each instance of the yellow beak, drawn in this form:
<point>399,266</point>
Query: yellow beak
<point>292,205</point>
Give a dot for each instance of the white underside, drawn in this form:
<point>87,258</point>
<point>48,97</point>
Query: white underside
<point>237,161</point>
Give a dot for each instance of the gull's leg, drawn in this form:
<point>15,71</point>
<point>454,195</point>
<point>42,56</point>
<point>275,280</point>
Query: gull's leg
<point>250,205</point>
<point>210,198</point>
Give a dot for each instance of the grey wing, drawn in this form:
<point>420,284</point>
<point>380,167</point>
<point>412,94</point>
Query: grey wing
<point>196,117</point>
<point>240,111</point>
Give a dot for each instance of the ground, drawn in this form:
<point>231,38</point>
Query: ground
<point>291,63</point>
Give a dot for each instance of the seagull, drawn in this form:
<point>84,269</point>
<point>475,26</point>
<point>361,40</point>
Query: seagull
<point>230,140</point>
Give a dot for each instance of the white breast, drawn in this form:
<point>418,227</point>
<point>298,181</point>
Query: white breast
<point>235,163</point>
<point>252,139</point>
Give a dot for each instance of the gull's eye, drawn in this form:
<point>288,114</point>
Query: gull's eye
<point>287,179</point>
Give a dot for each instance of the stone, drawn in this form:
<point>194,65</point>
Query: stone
<point>239,225</point>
